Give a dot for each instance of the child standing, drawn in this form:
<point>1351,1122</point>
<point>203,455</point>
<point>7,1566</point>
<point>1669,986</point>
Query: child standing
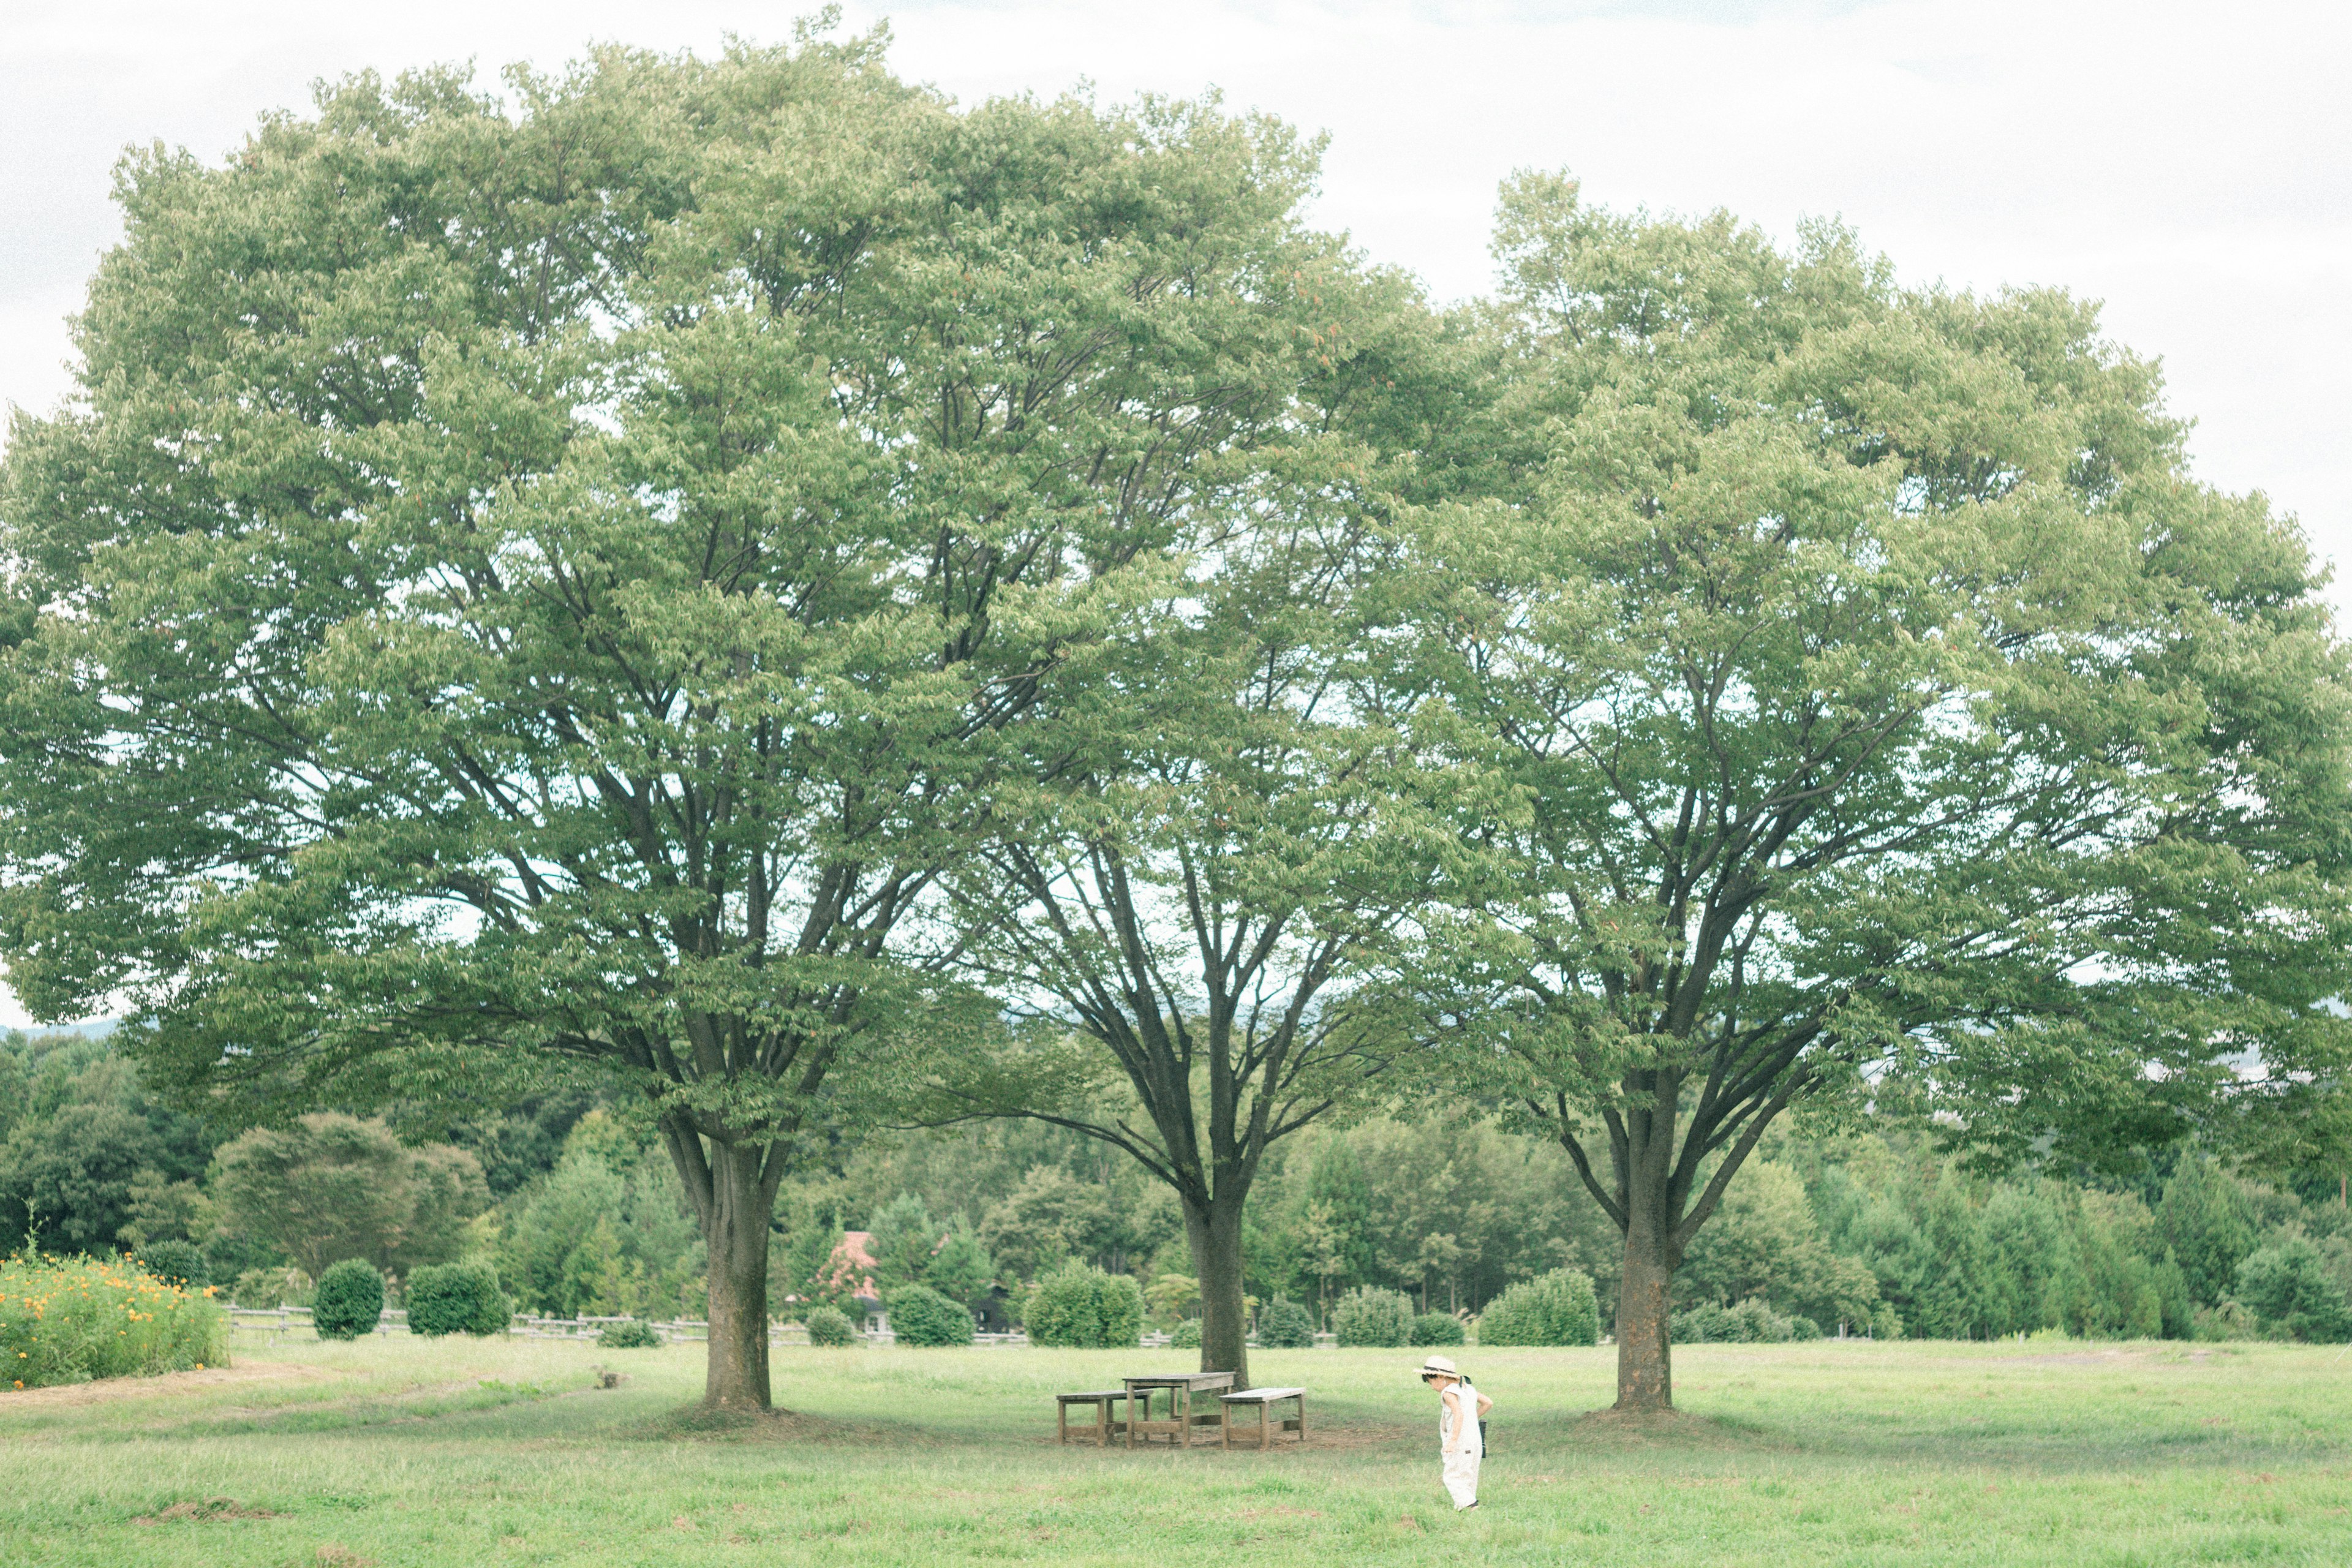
<point>1460,1408</point>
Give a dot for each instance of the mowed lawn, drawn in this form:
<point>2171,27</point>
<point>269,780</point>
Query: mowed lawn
<point>403,1451</point>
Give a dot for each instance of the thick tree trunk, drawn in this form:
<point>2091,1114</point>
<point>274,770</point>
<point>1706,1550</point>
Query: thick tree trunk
<point>1216,1236</point>
<point>735,1230</point>
<point>1645,1367</point>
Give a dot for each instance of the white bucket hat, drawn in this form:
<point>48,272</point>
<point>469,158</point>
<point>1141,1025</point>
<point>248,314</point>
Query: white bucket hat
<point>1438,1366</point>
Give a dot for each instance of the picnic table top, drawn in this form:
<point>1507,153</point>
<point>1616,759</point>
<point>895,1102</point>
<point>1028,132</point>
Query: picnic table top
<point>1250,1394</point>
<point>1183,1380</point>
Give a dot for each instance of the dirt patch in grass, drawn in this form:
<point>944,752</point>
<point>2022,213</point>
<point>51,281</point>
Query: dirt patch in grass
<point>1665,1429</point>
<point>109,1388</point>
<point>202,1510</point>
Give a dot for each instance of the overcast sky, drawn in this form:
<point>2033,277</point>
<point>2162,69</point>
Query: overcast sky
<point>2190,164</point>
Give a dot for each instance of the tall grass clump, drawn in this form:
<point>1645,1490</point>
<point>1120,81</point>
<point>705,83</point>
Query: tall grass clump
<point>70,1320</point>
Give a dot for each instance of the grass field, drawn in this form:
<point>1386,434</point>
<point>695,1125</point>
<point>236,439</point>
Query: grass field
<point>408,1452</point>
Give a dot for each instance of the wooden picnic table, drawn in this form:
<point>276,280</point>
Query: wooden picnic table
<point>1180,1387</point>
<point>1266,1399</point>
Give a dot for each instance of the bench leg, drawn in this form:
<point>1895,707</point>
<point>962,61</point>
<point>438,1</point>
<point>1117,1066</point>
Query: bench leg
<point>1302,1418</point>
<point>1061,1420</point>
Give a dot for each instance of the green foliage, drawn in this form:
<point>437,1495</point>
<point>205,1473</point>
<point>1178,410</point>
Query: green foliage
<point>1369,1315</point>
<point>607,1231</point>
<point>1767,1241</point>
<point>176,1263</point>
<point>2206,1220</point>
<point>285,1287</point>
<point>1077,1305</point>
<point>1047,1219</point>
<point>331,1186</point>
<point>349,1300</point>
<point>1557,1308</point>
<point>831,1327</point>
<point>1453,1209</point>
<point>1186,1336</point>
<point>1285,1324</point>
<point>68,1319</point>
<point>1750,1323</point>
<point>1438,1328</point>
<point>921,1316</point>
<point>2288,1286</point>
<point>83,1140</point>
<point>630,1335</point>
<point>456,1298</point>
<point>960,1267</point>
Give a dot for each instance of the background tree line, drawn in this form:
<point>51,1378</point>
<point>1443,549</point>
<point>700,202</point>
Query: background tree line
<point>1872,1232</point>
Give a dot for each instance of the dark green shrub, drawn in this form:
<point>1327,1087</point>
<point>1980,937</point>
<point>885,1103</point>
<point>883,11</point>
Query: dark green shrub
<point>1082,1307</point>
<point>830,1326</point>
<point>1187,1336</point>
<point>1752,1322</point>
<point>456,1298</point>
<point>1800,1327</point>
<point>1555,1308</point>
<point>180,1262</point>
<point>1286,1326</point>
<point>631,1334</point>
<point>1369,1315</point>
<point>1437,1329</point>
<point>2287,1285</point>
<point>349,1301</point>
<point>921,1316</point>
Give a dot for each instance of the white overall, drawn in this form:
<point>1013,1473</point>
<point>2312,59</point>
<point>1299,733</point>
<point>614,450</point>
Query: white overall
<point>1458,1405</point>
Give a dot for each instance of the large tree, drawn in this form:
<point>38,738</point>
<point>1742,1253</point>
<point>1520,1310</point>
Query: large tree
<point>549,577</point>
<point>1219,846</point>
<point>1882,702</point>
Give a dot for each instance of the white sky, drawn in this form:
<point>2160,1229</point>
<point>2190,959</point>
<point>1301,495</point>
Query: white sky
<point>2190,164</point>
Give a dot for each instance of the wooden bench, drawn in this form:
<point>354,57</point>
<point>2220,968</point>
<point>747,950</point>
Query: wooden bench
<point>1266,1399</point>
<point>1105,1423</point>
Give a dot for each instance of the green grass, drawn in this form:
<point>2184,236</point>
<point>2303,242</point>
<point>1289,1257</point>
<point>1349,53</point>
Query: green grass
<point>410,1452</point>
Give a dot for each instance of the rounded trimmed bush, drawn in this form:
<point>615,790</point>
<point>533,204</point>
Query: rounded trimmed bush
<point>349,1301</point>
<point>1554,1309</point>
<point>1369,1315</point>
<point>831,1327</point>
<point>921,1316</point>
<point>1438,1328</point>
<point>634,1334</point>
<point>456,1298</point>
<point>1080,1307</point>
<point>180,1262</point>
<point>1752,1322</point>
<point>1187,1336</point>
<point>1286,1326</point>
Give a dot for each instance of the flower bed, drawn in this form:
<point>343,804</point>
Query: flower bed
<point>70,1320</point>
